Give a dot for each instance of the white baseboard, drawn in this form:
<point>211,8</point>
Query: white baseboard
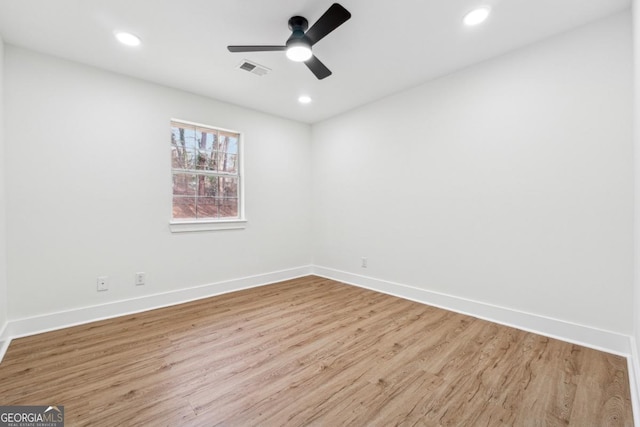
<point>5,339</point>
<point>634,370</point>
<point>610,342</point>
<point>34,325</point>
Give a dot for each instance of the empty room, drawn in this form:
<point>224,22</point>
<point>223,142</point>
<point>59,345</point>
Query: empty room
<point>291,213</point>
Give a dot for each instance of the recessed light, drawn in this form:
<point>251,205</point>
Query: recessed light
<point>128,38</point>
<point>304,99</point>
<point>477,16</point>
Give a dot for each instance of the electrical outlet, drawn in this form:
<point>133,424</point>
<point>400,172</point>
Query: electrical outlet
<point>363,263</point>
<point>141,277</point>
<point>103,283</point>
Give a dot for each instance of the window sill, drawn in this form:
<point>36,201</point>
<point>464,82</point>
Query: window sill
<point>194,226</point>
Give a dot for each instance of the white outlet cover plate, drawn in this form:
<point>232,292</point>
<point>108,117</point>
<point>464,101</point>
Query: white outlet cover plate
<point>103,283</point>
<point>140,278</point>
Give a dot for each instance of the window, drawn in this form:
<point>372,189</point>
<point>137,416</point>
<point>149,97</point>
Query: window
<point>205,168</point>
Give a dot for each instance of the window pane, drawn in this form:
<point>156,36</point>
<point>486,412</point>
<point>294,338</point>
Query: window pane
<point>207,139</point>
<point>217,161</point>
<point>178,137</point>
<point>176,157</point>
<point>222,141</point>
<point>190,138</point>
<point>212,161</point>
<point>184,184</point>
<point>228,143</point>
<point>184,136</point>
<point>203,160</point>
<point>228,197</point>
<point>182,158</point>
<point>190,159</point>
<point>210,185</point>
<point>207,207</point>
<point>228,207</point>
<point>184,207</point>
<point>175,136</point>
<point>228,163</point>
<point>228,187</point>
<point>232,146</point>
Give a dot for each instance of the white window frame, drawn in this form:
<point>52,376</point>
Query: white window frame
<point>211,224</point>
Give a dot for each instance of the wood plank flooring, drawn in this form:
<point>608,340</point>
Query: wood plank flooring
<point>312,351</point>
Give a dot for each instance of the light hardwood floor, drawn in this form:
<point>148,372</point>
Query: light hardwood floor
<point>312,351</point>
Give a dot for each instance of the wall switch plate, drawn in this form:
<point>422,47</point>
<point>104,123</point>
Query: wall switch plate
<point>363,264</point>
<point>103,283</point>
<point>140,278</point>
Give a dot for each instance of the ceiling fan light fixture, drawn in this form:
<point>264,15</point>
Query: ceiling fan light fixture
<point>299,52</point>
<point>477,16</point>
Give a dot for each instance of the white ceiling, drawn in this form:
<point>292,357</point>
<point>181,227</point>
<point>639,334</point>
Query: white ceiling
<point>385,47</point>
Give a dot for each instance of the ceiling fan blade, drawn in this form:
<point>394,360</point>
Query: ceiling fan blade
<point>317,68</point>
<point>335,16</point>
<point>255,48</point>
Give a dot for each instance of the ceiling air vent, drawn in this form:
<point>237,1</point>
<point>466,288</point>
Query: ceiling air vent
<point>253,68</point>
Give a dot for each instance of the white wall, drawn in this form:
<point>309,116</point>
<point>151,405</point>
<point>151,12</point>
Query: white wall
<point>89,188</point>
<point>636,140</point>
<point>510,182</point>
<point>3,247</point>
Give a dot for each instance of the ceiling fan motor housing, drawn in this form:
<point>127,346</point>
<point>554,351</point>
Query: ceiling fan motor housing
<point>298,23</point>
<point>298,26</point>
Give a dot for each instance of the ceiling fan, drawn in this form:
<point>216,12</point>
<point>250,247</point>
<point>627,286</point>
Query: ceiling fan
<point>298,46</point>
